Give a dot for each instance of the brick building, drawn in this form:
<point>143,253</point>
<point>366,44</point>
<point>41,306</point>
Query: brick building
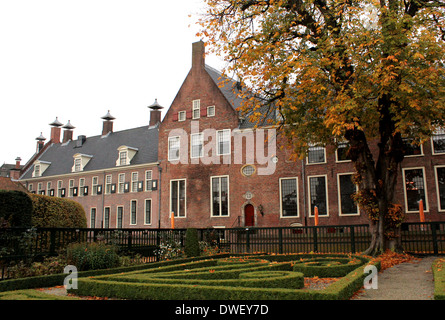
<point>207,166</point>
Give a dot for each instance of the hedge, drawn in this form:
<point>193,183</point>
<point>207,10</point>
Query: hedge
<point>439,278</point>
<point>333,267</point>
<point>53,212</point>
<point>220,282</point>
<point>15,208</point>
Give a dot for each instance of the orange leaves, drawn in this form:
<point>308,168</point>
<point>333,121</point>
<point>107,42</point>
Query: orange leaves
<point>390,259</point>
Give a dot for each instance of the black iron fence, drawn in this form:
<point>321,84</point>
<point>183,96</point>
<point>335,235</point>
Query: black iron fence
<point>417,238</point>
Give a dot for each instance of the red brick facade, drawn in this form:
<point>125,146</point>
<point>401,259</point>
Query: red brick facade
<point>223,192</point>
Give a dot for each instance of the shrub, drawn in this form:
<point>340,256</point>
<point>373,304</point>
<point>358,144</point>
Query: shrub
<point>191,247</point>
<point>52,212</point>
<point>15,209</point>
<point>92,256</point>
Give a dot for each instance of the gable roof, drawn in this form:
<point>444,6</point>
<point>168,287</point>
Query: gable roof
<point>103,150</point>
<point>7,184</point>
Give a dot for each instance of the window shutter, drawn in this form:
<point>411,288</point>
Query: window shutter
<point>75,190</point>
<point>175,116</point>
<point>189,114</point>
<point>154,185</point>
<point>85,191</point>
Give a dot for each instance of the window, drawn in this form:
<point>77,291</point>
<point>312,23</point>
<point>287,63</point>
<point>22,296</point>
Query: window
<point>223,140</point>
<point>248,170</point>
<point>94,184</point>
<point>147,218</point>
<point>346,190</point>
<point>48,187</point>
<point>178,198</point>
<point>316,155</point>
<point>121,185</point>
<point>133,210</point>
<point>71,188</point>
<point>211,111</point>
<point>37,170</point>
<point>30,187</point>
<point>440,184</point>
<point>119,217</point>
<point>342,152</point>
<point>196,109</point>
<point>415,189</point>
<point>39,188</point>
<point>289,197</point>
<point>220,196</point>
<point>134,181</point>
<point>411,149</point>
<point>59,189</point>
<point>148,180</point>
<point>108,181</point>
<point>122,158</point>
<point>318,195</point>
<point>107,217</point>
<point>182,115</point>
<point>81,187</point>
<point>77,164</point>
<point>438,141</point>
<point>173,148</point>
<point>197,141</point>
<point>93,218</point>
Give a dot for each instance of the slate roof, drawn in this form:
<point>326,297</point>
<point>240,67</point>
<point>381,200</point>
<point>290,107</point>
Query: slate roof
<point>231,90</point>
<point>103,149</point>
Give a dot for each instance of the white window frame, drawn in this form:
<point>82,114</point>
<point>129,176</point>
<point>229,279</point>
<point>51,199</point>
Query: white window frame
<point>71,188</point>
<point>121,183</point>
<point>311,214</point>
<point>108,183</point>
<point>200,140</point>
<point>218,150</point>
<point>135,214</point>
<point>220,202</point>
<point>134,182</point>
<point>424,185</point>
<point>432,143</point>
<point>59,188</point>
<point>117,216</point>
<point>94,185</point>
<point>437,187</point>
<point>170,139</point>
<point>48,187</point>
<point>148,180</point>
<point>211,114</point>
<point>81,187</point>
<point>281,197</point>
<point>196,107</point>
<point>416,155</point>
<point>185,198</point>
<point>182,116</point>
<point>315,163</point>
<point>109,218</point>
<point>145,212</point>
<point>95,216</point>
<point>340,213</point>
<point>336,153</point>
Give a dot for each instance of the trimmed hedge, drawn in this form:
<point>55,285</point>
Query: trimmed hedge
<point>333,267</point>
<point>191,245</point>
<point>53,212</point>
<point>439,278</point>
<point>15,208</point>
<point>229,281</point>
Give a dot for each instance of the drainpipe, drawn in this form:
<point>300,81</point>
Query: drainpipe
<point>103,201</point>
<point>303,178</point>
<point>159,196</point>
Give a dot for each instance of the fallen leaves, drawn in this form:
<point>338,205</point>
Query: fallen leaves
<point>390,259</point>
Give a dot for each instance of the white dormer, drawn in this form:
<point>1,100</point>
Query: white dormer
<point>80,161</point>
<point>126,154</point>
<point>40,167</point>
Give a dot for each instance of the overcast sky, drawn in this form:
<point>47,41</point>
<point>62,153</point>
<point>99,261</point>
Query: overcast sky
<point>77,59</point>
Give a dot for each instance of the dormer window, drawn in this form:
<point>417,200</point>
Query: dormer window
<point>80,161</point>
<point>39,168</point>
<point>126,154</point>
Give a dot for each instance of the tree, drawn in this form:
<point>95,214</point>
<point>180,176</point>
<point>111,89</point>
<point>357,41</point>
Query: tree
<point>360,72</point>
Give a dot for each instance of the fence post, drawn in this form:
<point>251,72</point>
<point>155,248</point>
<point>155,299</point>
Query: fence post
<point>248,240</point>
<point>280,239</point>
<point>315,239</point>
<point>352,231</point>
<point>433,226</point>
<point>52,239</point>
<point>130,237</point>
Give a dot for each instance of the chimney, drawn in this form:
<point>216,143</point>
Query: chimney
<point>40,142</point>
<point>68,132</point>
<point>15,173</point>
<point>80,141</point>
<point>155,113</point>
<point>108,123</point>
<point>198,55</point>
<point>55,131</point>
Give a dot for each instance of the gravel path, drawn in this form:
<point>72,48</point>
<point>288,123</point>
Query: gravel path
<point>405,281</point>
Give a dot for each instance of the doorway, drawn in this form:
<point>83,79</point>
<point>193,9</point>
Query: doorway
<point>249,215</point>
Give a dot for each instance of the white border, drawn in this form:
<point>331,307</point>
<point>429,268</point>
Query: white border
<point>437,187</point>
<point>228,196</point>
<point>424,184</point>
<point>311,215</point>
<point>281,202</point>
<point>340,213</point>
<point>185,199</point>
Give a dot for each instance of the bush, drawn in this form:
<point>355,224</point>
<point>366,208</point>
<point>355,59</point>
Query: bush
<point>191,246</point>
<point>51,212</point>
<point>92,256</point>
<point>15,209</point>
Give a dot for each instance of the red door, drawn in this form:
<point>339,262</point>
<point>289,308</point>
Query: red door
<point>249,216</point>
